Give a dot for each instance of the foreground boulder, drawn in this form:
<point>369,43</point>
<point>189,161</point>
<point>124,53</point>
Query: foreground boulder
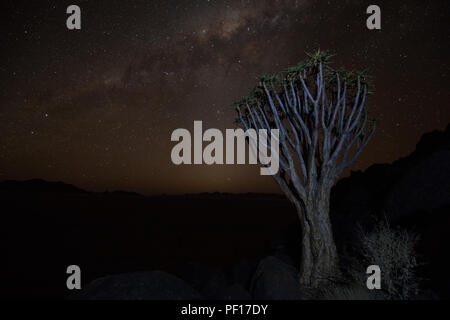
<point>208,281</point>
<point>233,292</point>
<point>155,285</point>
<point>242,272</point>
<point>275,280</point>
<point>215,284</point>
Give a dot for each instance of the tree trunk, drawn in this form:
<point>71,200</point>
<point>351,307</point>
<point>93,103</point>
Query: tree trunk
<point>319,260</point>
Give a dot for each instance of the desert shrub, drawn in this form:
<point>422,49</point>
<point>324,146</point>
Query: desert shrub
<point>393,250</point>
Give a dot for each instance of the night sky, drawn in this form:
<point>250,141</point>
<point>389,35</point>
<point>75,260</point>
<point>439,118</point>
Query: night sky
<point>96,107</point>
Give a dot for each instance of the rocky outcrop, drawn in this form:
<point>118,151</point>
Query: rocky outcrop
<point>155,285</point>
<point>275,280</point>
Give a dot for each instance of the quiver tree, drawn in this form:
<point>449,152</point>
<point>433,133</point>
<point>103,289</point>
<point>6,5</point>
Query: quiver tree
<point>322,117</point>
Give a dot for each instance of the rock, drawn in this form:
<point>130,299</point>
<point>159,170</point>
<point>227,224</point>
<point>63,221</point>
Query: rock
<point>154,285</point>
<point>206,280</point>
<point>242,272</point>
<point>275,280</point>
<point>287,243</point>
<point>215,284</point>
<point>286,258</point>
<point>196,274</point>
<point>234,292</point>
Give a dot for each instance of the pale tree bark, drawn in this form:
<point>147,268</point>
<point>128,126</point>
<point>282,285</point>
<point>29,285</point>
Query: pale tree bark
<point>323,126</point>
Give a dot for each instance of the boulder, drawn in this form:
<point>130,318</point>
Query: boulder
<point>196,274</point>
<point>208,281</point>
<point>234,292</point>
<point>216,283</point>
<point>154,285</point>
<point>275,280</point>
<point>242,272</point>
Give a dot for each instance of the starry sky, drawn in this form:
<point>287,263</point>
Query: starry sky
<point>96,107</point>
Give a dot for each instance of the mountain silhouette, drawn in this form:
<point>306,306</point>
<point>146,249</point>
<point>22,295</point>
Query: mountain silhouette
<point>416,183</point>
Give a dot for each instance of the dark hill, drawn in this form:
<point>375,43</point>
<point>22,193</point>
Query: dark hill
<point>413,184</point>
<point>412,192</point>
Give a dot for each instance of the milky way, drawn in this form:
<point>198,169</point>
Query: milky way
<point>96,107</point>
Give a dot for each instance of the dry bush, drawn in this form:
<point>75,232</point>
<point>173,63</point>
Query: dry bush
<point>393,250</point>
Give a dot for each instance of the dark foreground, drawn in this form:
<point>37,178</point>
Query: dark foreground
<point>221,246</point>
